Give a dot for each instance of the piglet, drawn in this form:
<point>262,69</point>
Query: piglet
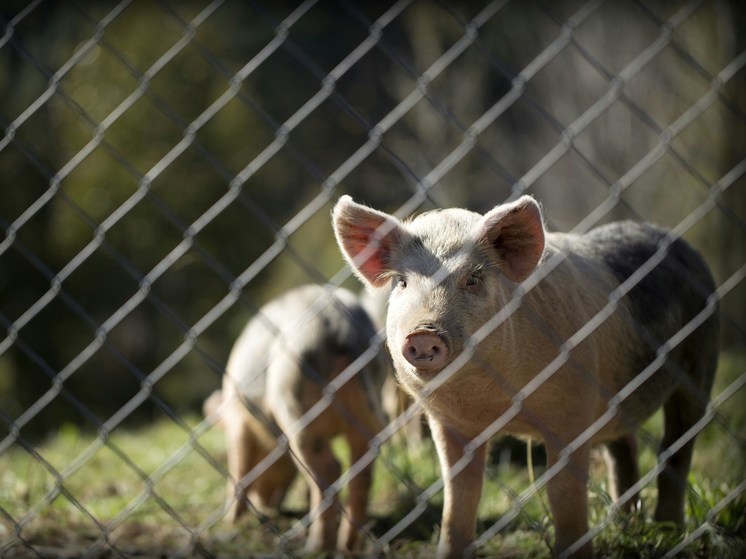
<point>495,324</point>
<point>277,383</point>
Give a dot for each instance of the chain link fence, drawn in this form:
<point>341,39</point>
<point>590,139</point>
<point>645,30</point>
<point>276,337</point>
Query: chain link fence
<point>168,167</point>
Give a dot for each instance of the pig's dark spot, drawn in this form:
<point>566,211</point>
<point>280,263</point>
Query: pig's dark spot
<point>669,295</point>
<point>679,284</point>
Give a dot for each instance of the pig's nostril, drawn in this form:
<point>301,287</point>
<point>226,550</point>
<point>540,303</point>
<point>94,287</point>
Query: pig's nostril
<point>419,356</point>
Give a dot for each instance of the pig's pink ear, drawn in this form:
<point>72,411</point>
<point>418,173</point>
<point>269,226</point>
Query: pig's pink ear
<point>367,238</point>
<point>516,233</point>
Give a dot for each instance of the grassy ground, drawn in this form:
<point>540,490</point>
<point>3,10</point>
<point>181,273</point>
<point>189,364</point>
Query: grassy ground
<point>159,492</point>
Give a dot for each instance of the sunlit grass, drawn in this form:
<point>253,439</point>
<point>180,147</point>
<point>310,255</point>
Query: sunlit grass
<point>161,490</point>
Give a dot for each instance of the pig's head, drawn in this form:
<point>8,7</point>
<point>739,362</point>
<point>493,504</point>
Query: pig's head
<point>448,272</point>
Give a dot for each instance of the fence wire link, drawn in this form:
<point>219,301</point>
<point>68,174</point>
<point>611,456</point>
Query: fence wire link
<point>419,87</point>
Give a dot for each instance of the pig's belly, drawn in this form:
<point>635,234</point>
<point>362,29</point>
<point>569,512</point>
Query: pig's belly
<point>475,415</point>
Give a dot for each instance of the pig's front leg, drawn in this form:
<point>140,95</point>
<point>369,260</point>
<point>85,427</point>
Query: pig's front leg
<point>462,490</point>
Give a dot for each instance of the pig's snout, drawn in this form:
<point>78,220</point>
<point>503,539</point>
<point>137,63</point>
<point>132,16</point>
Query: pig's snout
<point>425,349</point>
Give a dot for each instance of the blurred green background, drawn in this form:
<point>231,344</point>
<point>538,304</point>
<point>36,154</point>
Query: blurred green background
<point>140,178</point>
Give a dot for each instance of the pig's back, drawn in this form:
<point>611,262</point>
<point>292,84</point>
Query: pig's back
<point>311,323</point>
<point>677,285</point>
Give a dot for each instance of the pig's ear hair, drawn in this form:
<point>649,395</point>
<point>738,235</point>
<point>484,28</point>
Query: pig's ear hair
<point>516,233</point>
<point>367,238</point>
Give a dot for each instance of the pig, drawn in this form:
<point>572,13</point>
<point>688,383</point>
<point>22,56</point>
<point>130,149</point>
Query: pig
<point>495,324</point>
<point>278,370</point>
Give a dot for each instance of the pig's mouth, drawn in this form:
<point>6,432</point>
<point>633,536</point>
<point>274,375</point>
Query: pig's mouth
<point>426,350</point>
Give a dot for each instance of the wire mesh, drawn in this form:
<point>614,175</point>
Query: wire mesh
<point>167,167</point>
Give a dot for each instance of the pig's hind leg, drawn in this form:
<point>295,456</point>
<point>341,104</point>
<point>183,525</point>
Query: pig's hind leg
<point>311,448</point>
<point>682,410</point>
<point>568,497</point>
<point>620,456</point>
<point>360,428</point>
<point>695,363</point>
<point>239,449</point>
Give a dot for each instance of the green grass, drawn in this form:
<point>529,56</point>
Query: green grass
<point>154,492</point>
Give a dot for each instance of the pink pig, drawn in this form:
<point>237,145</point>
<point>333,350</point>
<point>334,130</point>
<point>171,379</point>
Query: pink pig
<point>524,360</point>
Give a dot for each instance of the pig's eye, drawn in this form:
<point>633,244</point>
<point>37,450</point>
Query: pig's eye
<point>400,282</point>
<point>472,280</point>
